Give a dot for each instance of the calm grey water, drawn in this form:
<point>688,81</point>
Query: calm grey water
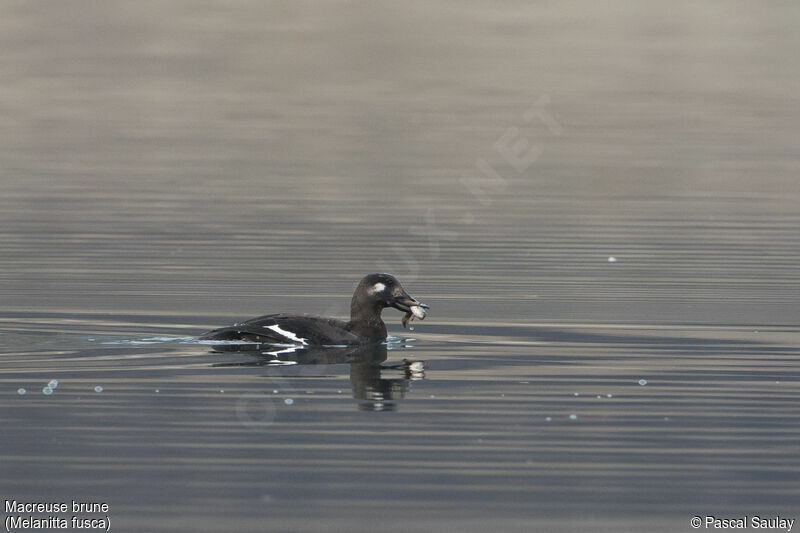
<point>171,167</point>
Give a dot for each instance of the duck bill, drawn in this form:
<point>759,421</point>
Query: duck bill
<point>406,302</point>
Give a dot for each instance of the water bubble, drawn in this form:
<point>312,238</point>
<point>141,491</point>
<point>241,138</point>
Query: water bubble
<point>548,418</point>
<point>53,383</point>
<point>275,391</point>
<point>609,395</point>
<point>221,390</point>
<point>47,390</point>
<point>612,259</point>
<point>288,401</point>
<point>573,417</point>
<point>577,394</point>
<point>21,391</point>
<point>642,382</point>
<point>98,389</point>
<point>157,390</point>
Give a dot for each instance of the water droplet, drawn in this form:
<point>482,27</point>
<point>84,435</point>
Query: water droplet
<point>47,391</point>
<point>21,391</point>
<point>612,259</point>
<point>275,391</point>
<point>221,390</point>
<point>598,396</point>
<point>53,383</point>
<point>338,392</point>
<point>158,390</point>
<point>573,417</point>
<point>410,328</point>
<point>642,382</point>
<point>577,394</point>
<point>98,389</point>
<point>288,401</point>
<point>609,395</point>
<point>548,418</point>
<point>433,396</point>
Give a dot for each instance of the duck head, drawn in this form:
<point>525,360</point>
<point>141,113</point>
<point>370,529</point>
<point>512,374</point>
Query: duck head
<point>378,291</point>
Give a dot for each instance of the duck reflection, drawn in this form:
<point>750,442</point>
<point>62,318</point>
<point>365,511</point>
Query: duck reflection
<point>375,385</point>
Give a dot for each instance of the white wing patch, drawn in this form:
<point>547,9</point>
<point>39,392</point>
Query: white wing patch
<point>288,334</point>
<point>378,287</point>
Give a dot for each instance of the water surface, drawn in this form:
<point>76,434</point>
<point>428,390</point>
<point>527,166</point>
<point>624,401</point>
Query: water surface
<point>168,169</point>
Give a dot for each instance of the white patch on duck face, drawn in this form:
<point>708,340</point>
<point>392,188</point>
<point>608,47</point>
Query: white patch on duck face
<point>378,287</point>
<point>288,334</point>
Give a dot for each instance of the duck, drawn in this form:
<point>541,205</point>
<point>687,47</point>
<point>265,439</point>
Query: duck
<point>374,293</point>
